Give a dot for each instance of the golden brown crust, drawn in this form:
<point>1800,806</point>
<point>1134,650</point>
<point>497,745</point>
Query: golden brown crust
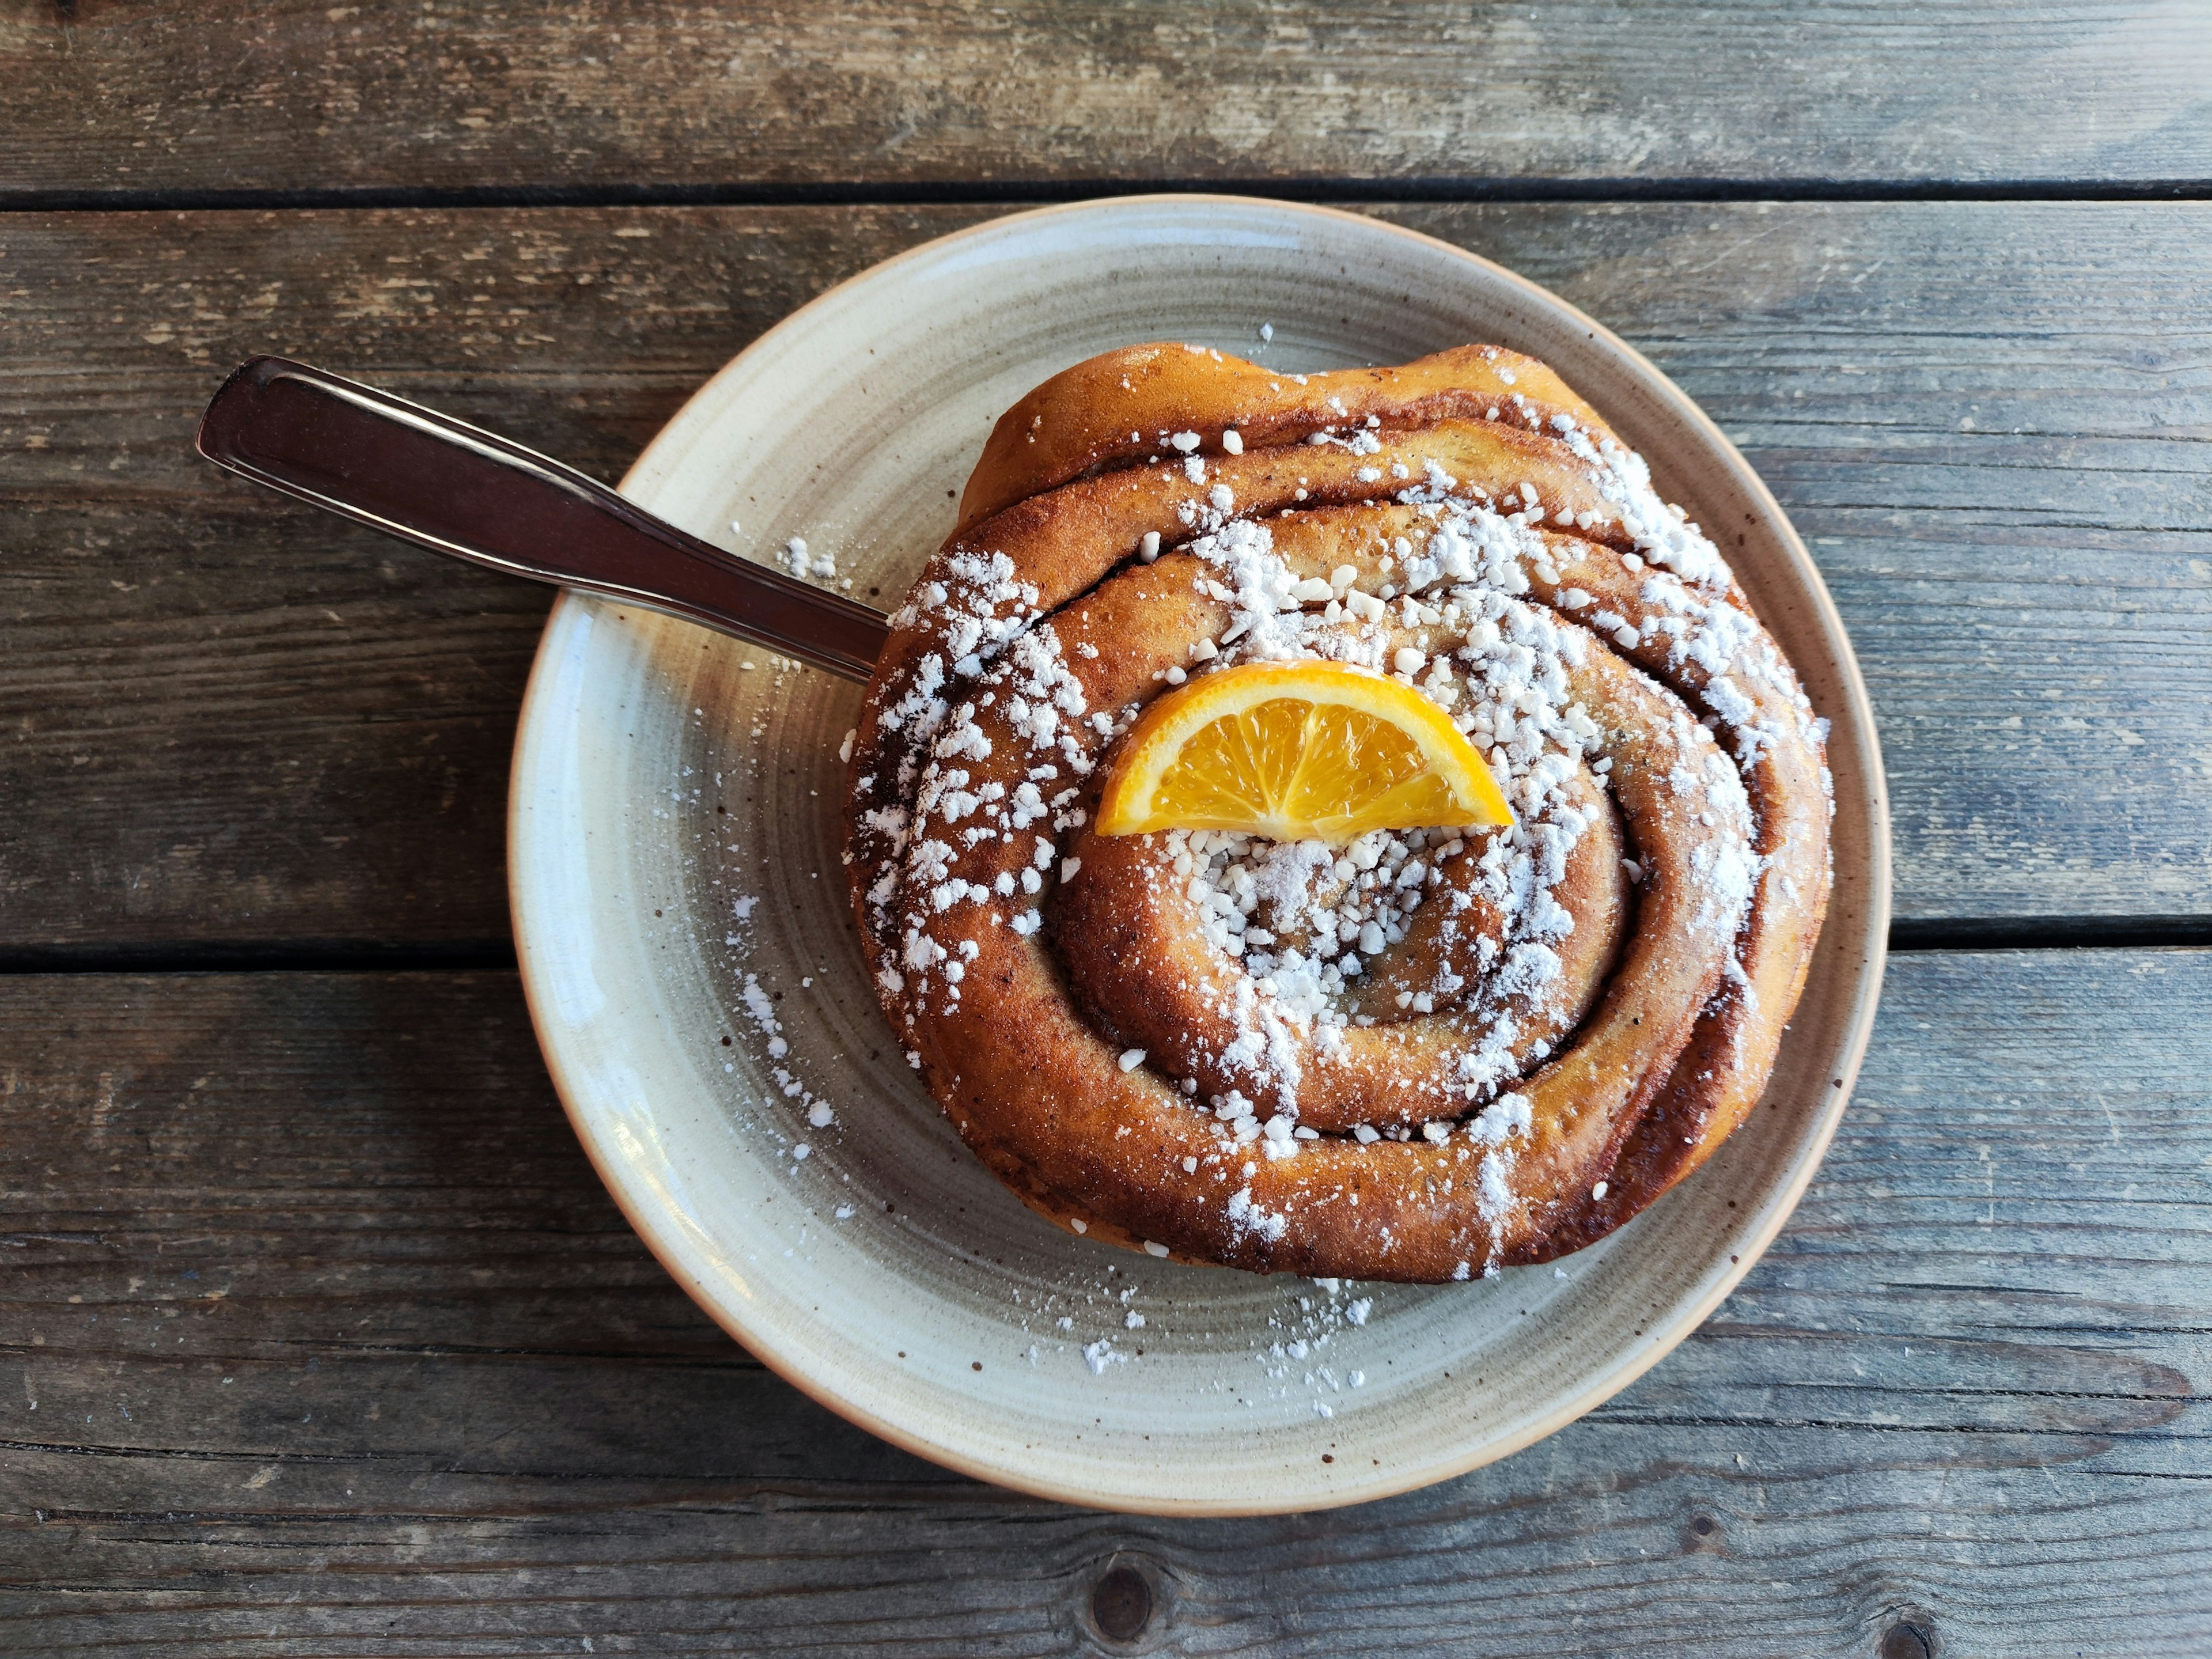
<point>1113,409</point>
<point>1024,960</point>
<point>1722,1073</point>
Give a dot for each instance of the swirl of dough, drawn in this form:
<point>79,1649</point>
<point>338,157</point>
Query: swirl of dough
<point>1417,1057</point>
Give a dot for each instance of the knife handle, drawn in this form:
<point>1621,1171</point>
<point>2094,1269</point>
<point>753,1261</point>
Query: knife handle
<point>455,488</point>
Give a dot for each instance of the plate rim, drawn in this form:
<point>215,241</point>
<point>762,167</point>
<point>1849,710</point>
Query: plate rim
<point>1872,945</point>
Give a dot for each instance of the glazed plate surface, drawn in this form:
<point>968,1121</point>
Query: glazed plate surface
<point>680,912</point>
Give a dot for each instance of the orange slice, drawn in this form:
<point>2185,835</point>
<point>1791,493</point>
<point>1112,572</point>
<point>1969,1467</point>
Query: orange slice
<point>1298,751</point>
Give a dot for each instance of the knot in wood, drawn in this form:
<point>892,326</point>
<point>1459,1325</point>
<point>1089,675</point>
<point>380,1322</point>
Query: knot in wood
<point>1122,1604</point>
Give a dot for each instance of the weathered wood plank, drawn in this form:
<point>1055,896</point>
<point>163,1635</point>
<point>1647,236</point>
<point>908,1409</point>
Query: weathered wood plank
<point>336,1346</point>
<point>1993,425</point>
<point>233,97</point>
<point>229,719</point>
<point>231,722</point>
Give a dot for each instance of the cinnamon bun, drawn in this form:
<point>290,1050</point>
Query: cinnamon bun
<point>1422,1055</point>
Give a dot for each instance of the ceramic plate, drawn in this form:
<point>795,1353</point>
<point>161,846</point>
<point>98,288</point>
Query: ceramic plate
<point>680,912</point>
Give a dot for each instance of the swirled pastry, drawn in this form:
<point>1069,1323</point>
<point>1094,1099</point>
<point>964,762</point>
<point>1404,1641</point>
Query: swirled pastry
<point>1422,1055</point>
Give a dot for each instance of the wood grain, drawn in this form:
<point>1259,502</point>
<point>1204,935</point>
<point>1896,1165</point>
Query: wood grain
<point>232,722</point>
<point>319,1337</point>
<point>300,96</point>
<point>2007,482</point>
<point>232,719</point>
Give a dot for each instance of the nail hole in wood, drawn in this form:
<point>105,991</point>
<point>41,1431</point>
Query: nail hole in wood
<point>1121,1604</point>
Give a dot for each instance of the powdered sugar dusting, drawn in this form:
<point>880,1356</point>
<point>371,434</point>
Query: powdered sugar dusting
<point>990,740</point>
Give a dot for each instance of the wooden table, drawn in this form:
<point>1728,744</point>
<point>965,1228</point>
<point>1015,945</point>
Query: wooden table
<point>320,1338</point>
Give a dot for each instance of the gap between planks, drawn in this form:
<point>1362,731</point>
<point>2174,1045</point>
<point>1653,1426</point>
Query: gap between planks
<point>1043,191</point>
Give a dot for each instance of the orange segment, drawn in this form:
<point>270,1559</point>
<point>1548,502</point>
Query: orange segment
<point>1298,751</point>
